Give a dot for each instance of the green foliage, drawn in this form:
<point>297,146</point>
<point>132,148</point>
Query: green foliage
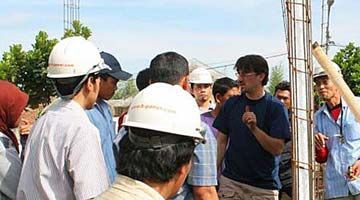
<point>10,62</point>
<point>126,89</point>
<point>348,60</point>
<point>276,76</point>
<point>77,30</point>
<point>27,69</point>
<point>31,77</point>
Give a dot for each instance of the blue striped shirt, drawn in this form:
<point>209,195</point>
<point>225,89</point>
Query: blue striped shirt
<point>341,155</point>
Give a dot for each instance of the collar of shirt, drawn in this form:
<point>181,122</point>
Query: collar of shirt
<point>134,186</point>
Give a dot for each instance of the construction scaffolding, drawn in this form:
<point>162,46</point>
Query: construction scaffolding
<point>297,24</point>
<point>71,12</point>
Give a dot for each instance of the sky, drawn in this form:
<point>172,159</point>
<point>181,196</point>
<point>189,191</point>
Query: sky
<point>214,32</point>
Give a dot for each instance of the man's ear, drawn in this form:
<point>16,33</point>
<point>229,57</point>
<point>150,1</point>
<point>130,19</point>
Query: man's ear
<point>184,83</point>
<point>90,83</point>
<point>184,169</point>
<point>218,97</point>
<point>263,76</point>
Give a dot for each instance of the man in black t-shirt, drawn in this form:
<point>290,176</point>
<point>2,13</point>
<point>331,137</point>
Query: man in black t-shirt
<point>257,126</point>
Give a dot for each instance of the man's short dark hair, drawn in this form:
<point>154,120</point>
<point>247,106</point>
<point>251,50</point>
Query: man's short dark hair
<point>158,165</point>
<point>283,85</point>
<point>104,76</point>
<point>143,79</point>
<point>168,67</point>
<point>222,85</point>
<point>253,63</point>
<point>66,86</point>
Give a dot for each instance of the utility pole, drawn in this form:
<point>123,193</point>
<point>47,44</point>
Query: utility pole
<point>326,8</point>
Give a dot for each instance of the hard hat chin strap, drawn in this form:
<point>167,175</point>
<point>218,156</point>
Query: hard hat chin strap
<point>77,88</point>
<point>153,142</point>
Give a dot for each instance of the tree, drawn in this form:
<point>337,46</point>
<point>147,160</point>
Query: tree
<point>348,60</point>
<point>126,89</point>
<point>27,69</point>
<point>276,76</point>
<point>10,62</point>
<point>77,30</point>
<point>31,76</point>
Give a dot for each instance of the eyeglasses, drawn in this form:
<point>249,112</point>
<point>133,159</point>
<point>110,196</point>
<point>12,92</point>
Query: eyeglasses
<point>241,74</point>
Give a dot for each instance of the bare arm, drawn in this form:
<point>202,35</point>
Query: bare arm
<point>270,144</point>
<point>222,141</point>
<point>205,193</point>
<point>273,145</point>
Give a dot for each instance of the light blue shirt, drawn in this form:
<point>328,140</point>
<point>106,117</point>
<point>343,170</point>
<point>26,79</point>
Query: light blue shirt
<point>203,171</point>
<point>341,155</point>
<point>101,116</point>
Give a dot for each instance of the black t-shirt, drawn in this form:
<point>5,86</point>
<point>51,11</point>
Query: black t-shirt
<point>246,161</point>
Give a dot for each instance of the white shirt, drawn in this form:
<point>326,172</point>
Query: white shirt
<point>63,157</point>
<point>126,188</point>
<point>10,168</point>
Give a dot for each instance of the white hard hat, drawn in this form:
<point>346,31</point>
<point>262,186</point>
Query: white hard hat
<point>319,71</point>
<point>200,76</point>
<point>74,56</point>
<point>165,108</point>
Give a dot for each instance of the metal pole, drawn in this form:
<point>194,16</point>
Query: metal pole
<point>327,44</point>
<point>300,67</point>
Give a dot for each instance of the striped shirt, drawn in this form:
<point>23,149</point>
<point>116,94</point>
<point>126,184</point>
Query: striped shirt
<point>63,157</point>
<point>341,155</point>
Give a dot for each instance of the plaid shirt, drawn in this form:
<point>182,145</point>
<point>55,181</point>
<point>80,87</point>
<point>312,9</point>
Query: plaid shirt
<point>203,170</point>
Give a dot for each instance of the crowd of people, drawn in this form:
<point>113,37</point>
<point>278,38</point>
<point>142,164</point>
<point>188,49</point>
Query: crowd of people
<point>185,135</point>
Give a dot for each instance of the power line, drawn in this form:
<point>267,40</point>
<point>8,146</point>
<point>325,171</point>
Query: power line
<point>227,65</point>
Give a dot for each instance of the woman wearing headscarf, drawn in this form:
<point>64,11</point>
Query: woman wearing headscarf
<point>12,104</point>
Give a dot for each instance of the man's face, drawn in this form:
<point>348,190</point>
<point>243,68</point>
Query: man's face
<point>249,81</point>
<point>202,92</point>
<point>325,87</point>
<point>232,92</point>
<point>284,97</point>
<point>108,86</point>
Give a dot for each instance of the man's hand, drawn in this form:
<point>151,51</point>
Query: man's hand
<point>320,140</point>
<point>25,127</point>
<point>354,171</point>
<point>249,118</point>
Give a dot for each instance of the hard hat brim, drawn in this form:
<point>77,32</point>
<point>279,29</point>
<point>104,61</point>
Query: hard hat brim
<point>195,134</point>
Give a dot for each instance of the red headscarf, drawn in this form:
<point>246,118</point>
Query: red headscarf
<point>12,104</point>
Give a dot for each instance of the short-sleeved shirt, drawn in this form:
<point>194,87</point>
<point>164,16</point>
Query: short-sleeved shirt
<point>203,170</point>
<point>246,161</point>
<point>101,116</point>
<point>126,188</point>
<point>341,155</point>
<point>63,157</point>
